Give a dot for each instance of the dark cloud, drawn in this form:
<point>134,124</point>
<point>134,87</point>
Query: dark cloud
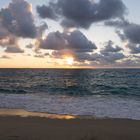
<point>121,35</point>
<point>39,56</point>
<point>73,44</point>
<point>109,48</point>
<point>108,9</point>
<point>59,54</point>
<point>5,57</point>
<point>78,56</point>
<point>75,41</point>
<point>54,41</point>
<point>111,54</point>
<point>10,43</point>
<point>129,63</point>
<point>100,59</point>
<point>132,32</point>
<point>82,13</point>
<point>68,23</point>
<point>128,32</point>
<point>82,57</point>
<point>18,20</point>
<point>78,42</point>
<point>41,29</point>
<point>29,46</point>
<point>42,55</point>
<point>111,57</point>
<point>134,48</point>
<point>8,40</point>
<point>46,12</point>
<point>117,23</point>
<point>14,49</point>
<point>123,63</point>
<point>40,32</point>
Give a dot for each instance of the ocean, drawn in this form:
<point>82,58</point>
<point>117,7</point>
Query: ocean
<point>102,93</point>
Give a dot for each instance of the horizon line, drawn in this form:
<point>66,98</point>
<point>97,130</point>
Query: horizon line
<point>70,68</point>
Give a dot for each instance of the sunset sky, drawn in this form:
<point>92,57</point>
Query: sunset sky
<point>69,33</point>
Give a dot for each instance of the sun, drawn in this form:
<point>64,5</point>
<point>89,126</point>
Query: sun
<point>69,60</point>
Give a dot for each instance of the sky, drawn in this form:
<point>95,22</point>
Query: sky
<point>69,34</point>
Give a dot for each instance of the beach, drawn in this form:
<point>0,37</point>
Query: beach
<point>77,104</point>
<point>23,127</point>
<point>69,70</point>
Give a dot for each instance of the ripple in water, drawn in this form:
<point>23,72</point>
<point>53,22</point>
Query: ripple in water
<point>111,93</point>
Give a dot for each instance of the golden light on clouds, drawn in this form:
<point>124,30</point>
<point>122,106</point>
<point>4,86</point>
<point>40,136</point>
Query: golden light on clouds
<point>30,8</point>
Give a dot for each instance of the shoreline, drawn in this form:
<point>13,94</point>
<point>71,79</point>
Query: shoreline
<point>5,112</point>
<point>14,112</point>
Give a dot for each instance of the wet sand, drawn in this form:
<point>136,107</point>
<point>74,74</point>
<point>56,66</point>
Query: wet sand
<point>15,125</point>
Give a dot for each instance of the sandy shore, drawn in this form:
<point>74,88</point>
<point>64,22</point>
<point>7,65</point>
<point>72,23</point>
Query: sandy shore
<point>14,125</point>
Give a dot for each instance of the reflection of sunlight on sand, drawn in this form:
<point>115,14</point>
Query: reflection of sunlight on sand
<point>24,113</point>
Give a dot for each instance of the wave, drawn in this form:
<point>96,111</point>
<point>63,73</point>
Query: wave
<point>75,90</point>
<point>122,82</point>
<point>13,91</point>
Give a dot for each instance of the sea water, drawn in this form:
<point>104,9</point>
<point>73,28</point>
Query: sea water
<point>113,93</point>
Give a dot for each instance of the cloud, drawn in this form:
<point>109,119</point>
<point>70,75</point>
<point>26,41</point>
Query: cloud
<point>80,57</point>
<point>7,40</point>
<point>29,46</point>
<point>17,19</point>
<point>10,43</point>
<point>111,54</point>
<point>5,57</point>
<point>128,32</point>
<point>110,49</point>
<point>67,43</point>
<point>111,57</point>
<point>121,35</point>
<point>134,48</point>
<point>135,62</point>
<point>17,22</point>
<point>75,41</point>
<point>14,49</point>
<point>54,41</point>
<point>83,57</point>
<point>41,29</point>
<point>78,42</point>
<point>117,23</point>
<point>39,56</point>
<point>82,13</point>
<point>132,32</point>
<point>46,12</point>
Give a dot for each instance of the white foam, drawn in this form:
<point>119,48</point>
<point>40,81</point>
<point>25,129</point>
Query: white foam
<point>99,106</point>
